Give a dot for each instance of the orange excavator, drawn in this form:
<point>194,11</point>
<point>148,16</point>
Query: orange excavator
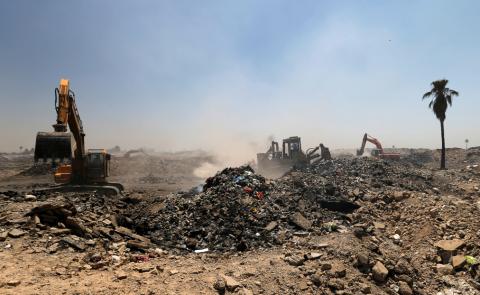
<point>378,151</point>
<point>77,169</point>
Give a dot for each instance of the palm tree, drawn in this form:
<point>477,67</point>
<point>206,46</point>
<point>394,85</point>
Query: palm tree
<point>441,99</point>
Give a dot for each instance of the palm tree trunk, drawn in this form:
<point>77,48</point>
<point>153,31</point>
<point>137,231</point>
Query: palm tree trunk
<point>442,161</point>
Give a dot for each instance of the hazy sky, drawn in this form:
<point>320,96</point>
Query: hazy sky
<point>198,74</point>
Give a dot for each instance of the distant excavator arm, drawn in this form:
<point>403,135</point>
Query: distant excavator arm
<point>371,139</point>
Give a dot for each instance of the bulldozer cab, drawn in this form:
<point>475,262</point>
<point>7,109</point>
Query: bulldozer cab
<point>292,147</point>
<point>98,165</point>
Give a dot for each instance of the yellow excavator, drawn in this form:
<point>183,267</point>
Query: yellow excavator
<point>77,169</point>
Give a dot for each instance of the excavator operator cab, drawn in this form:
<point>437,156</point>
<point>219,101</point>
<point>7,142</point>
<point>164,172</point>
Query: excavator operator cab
<point>98,165</point>
<point>375,152</point>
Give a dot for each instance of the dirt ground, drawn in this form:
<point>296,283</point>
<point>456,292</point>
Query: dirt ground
<point>399,223</point>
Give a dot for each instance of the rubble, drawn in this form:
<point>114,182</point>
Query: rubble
<point>348,226</point>
<point>16,233</point>
<point>237,210</point>
<point>230,283</point>
<point>299,220</point>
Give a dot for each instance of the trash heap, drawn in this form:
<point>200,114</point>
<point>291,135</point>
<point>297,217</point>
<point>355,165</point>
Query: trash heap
<point>226,215</point>
<point>237,210</point>
<point>345,175</point>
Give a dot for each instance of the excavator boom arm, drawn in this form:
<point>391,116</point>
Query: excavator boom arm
<point>371,139</point>
<point>67,114</point>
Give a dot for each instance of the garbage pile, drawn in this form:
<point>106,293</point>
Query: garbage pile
<point>237,210</point>
<point>346,175</point>
<point>227,215</point>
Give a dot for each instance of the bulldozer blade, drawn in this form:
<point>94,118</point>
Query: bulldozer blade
<point>53,146</point>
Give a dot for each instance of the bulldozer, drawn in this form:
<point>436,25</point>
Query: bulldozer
<point>76,168</point>
<point>291,155</point>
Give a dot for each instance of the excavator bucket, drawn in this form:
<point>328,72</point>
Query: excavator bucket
<point>54,146</point>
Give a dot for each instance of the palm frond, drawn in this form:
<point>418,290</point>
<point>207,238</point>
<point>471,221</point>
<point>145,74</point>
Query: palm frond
<point>453,92</point>
<point>430,104</point>
<point>428,94</point>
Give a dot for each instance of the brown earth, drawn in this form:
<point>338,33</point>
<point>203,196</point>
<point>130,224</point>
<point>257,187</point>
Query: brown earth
<point>397,225</point>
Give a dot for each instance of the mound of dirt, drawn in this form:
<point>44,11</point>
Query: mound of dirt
<point>237,210</point>
<point>37,170</point>
<point>240,210</point>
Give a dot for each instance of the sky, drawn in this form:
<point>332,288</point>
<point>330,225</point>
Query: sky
<point>227,76</point>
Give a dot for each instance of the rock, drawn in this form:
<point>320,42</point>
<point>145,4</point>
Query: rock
<point>365,288</point>
<point>313,255</point>
<point>271,226</point>
<point>230,283</point>
<point>53,213</point>
<point>76,226</point>
<point>245,291</point>
<point>295,260</point>
<point>196,270</point>
<point>335,284</point>
<point>359,231</point>
<point>379,272</point>
<point>129,233</point>
<point>121,275</point>
<point>116,259</point>
<point>77,244</point>
<point>406,279</point>
<point>302,285</point>
<point>404,289</point>
<point>402,267</point>
<point>299,220</point>
<point>61,271</point>
<point>320,245</point>
<point>3,236</point>
<point>400,196</point>
<point>317,279</point>
<point>16,233</point>
<point>339,271</point>
<point>449,245</point>
<point>52,248</point>
<point>191,243</point>
<point>362,260</point>
<point>139,245</point>
<point>144,268</point>
<point>326,266</point>
<point>30,198</point>
<point>59,231</point>
<point>107,221</point>
<point>379,225</point>
<point>444,269</point>
<point>13,283</point>
<point>219,285</point>
<point>458,261</point>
